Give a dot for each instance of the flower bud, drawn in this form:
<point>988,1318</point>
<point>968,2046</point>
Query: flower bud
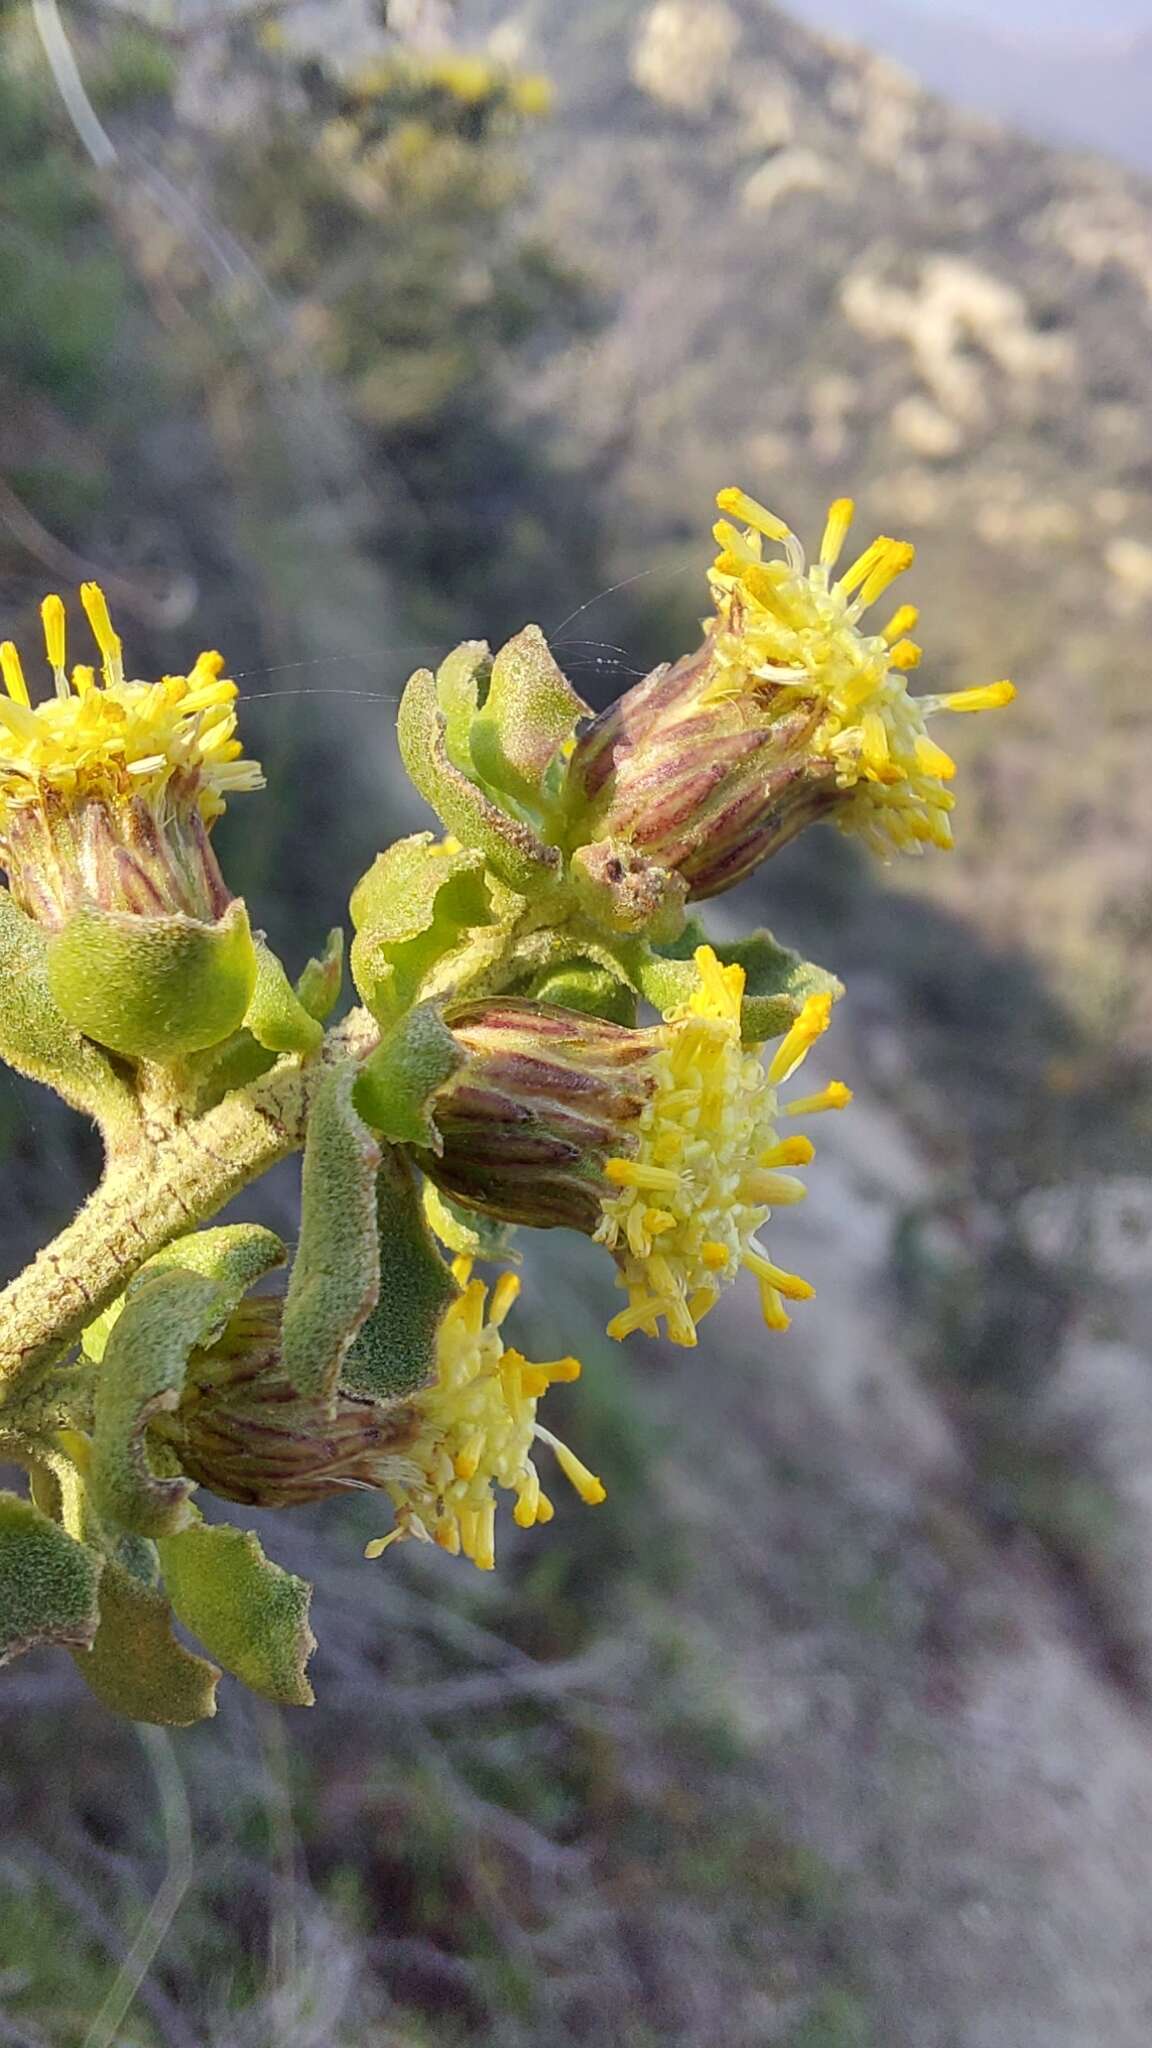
<point>662,1144</point>
<point>787,714</point>
<point>440,1455</point>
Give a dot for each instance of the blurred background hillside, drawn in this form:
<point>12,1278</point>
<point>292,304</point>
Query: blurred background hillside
<point>331,333</point>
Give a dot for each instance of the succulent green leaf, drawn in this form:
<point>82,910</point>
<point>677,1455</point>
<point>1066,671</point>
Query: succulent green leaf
<point>248,1612</point>
<point>336,1270</point>
<point>461,680</point>
<point>136,1666</point>
<point>530,710</point>
<point>275,1016</point>
<point>511,848</point>
<point>584,985</point>
<point>417,907</point>
<point>396,1083</point>
<point>48,1582</point>
<point>233,1257</point>
<point>319,984</point>
<point>153,988</point>
<point>395,1352</point>
<point>36,1037</point>
<point>779,981</point>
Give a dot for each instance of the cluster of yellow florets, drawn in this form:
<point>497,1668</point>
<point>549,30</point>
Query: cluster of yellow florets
<point>784,625</point>
<point>707,1172</point>
<point>115,739</point>
<point>478,1428</point>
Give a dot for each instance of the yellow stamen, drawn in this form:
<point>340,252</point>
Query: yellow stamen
<point>840,515</point>
<point>83,678</point>
<point>106,637</point>
<point>810,1025</point>
<point>898,556</point>
<point>933,760</point>
<point>834,1096</point>
<point>505,1292</point>
<point>790,1285</point>
<point>12,670</point>
<point>795,1151</point>
<point>987,697</point>
<point>753,514</point>
<point>630,1173</point>
<point>55,637</point>
<point>902,621</point>
<point>905,655</point>
<point>714,1255</point>
<point>379,1544</point>
<point>591,1490</point>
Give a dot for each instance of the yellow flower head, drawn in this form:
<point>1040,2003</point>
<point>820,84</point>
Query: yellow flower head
<point>782,626</point>
<point>686,1207</point>
<point>114,740</point>
<point>477,1429</point>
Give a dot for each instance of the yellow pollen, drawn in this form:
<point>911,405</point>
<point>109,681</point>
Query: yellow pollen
<point>714,1256</point>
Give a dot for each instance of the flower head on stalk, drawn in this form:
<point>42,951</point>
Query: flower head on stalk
<point>476,1431</point>
<point>441,1454</point>
<point>789,712</point>
<point>659,1143</point>
<point>109,787</point>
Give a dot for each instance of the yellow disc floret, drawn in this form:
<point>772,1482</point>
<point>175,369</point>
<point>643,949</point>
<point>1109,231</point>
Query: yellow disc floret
<point>113,740</point>
<point>477,1430</point>
<point>782,624</point>
<point>687,1206</point>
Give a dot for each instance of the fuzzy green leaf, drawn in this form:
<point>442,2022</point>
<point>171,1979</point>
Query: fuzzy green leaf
<point>417,906</point>
<point>164,1316</point>
<point>335,1273</point>
<point>395,1352</point>
<point>153,988</point>
<point>35,1036</point>
<point>136,1666</point>
<point>584,985</point>
<point>233,1257</point>
<point>530,710</point>
<point>319,984</point>
<point>397,1081</point>
<point>48,1583</point>
<point>275,1016</point>
<point>248,1612</point>
<point>511,848</point>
